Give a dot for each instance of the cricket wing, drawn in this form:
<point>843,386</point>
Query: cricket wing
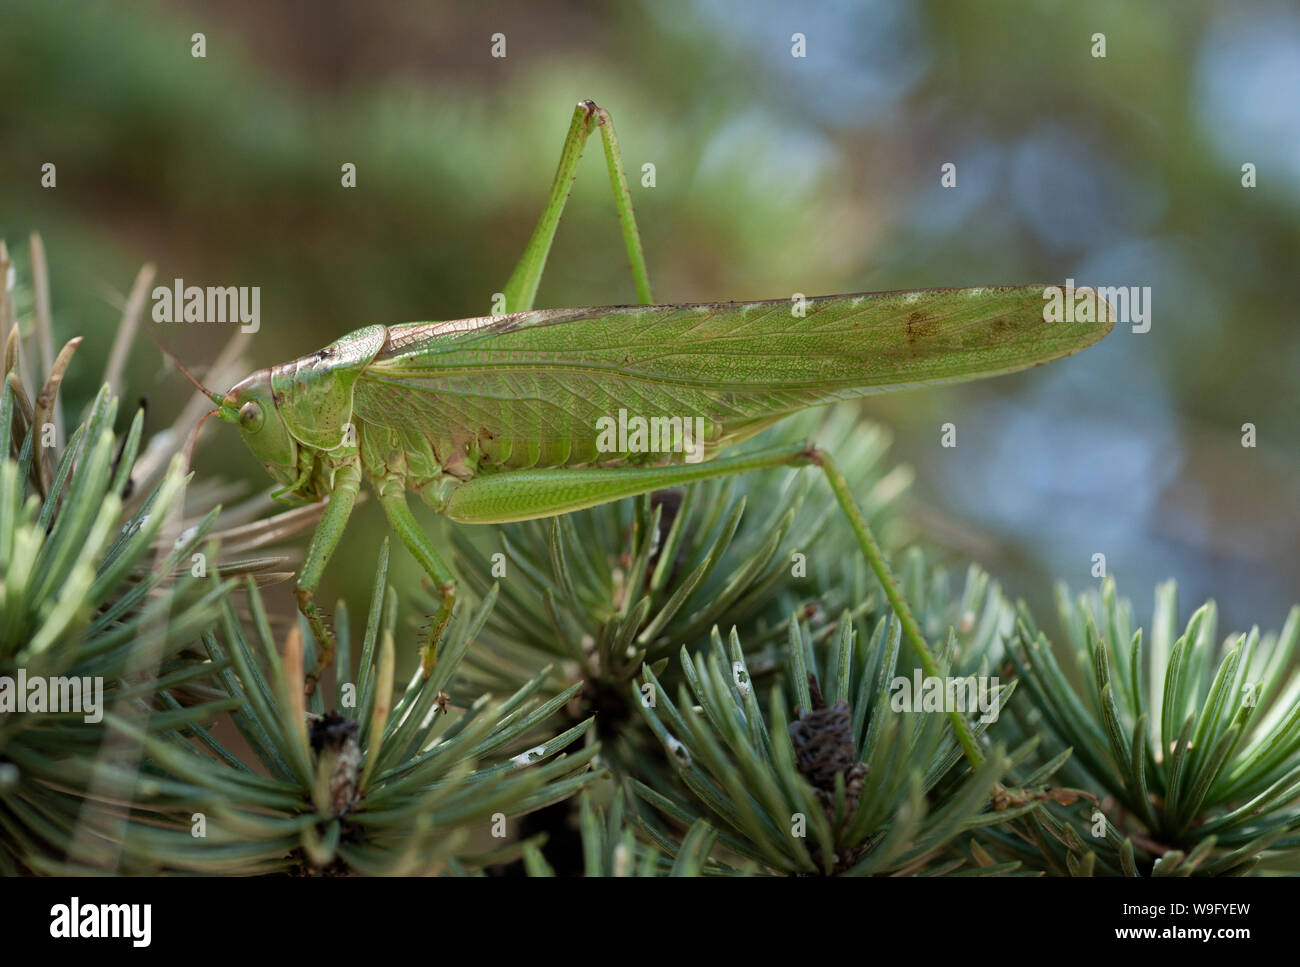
<point>531,387</point>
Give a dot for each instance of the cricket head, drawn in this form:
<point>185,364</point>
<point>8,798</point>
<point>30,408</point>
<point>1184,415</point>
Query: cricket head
<point>251,406</point>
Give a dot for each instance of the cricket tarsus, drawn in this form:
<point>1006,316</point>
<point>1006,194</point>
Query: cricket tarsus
<point>438,622</point>
<point>324,636</point>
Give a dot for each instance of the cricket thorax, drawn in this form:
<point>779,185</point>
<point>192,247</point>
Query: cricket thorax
<point>316,472</point>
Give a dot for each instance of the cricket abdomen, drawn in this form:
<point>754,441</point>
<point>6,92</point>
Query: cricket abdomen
<point>399,461</point>
<point>605,442</point>
<point>528,432</point>
<point>434,463</point>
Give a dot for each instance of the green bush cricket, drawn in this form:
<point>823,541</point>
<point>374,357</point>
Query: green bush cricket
<point>500,418</point>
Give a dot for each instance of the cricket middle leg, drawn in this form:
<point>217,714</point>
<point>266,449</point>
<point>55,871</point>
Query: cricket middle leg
<point>521,291</point>
<point>422,549</point>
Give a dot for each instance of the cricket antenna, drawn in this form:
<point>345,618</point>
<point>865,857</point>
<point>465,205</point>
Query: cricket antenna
<point>192,442</point>
<point>215,397</point>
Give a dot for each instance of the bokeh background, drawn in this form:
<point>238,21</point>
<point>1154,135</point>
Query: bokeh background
<point>775,175</point>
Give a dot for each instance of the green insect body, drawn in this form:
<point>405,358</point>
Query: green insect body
<point>509,417</point>
<point>425,407</point>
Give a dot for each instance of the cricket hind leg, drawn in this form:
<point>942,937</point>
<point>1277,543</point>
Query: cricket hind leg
<point>521,290</point>
<point>526,495</point>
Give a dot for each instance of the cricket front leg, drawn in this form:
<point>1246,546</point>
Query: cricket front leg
<point>347,484</point>
<point>521,291</point>
<point>417,542</point>
<point>525,495</point>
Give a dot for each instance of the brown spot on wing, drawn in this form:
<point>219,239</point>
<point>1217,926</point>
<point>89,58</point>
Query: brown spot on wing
<point>919,326</point>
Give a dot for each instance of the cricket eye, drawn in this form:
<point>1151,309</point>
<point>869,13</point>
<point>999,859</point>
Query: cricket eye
<point>251,416</point>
